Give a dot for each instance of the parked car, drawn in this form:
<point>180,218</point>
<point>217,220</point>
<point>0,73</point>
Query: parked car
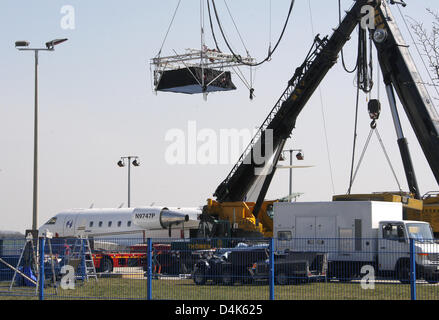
<point>227,266</point>
<point>293,268</point>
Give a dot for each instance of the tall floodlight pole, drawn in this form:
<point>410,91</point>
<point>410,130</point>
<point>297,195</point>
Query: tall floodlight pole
<point>135,163</point>
<point>24,46</point>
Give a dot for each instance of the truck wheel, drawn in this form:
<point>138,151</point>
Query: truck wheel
<point>281,278</point>
<point>106,265</point>
<point>403,272</point>
<point>199,277</point>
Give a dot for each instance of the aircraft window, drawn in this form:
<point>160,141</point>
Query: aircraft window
<point>109,223</point>
<point>90,224</point>
<point>129,224</point>
<point>51,221</point>
<point>100,224</point>
<point>119,223</point>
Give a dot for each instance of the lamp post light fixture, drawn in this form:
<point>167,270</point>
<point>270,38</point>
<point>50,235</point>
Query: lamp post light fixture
<point>24,46</point>
<point>299,156</point>
<point>136,163</point>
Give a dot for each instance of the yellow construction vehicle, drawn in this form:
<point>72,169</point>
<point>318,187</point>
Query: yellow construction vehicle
<point>426,209</point>
<point>236,220</point>
<point>430,211</point>
<point>412,208</point>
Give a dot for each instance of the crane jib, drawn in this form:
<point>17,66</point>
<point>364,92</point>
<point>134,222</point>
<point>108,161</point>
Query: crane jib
<point>400,72</point>
<point>281,120</point>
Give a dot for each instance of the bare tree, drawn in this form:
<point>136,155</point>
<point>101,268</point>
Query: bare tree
<point>428,40</point>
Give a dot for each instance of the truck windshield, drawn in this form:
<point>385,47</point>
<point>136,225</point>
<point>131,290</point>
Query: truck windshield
<point>419,231</point>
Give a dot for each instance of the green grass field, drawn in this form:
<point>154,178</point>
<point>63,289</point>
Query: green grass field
<point>117,288</point>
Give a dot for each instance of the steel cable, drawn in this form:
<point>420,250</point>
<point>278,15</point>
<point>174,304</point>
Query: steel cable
<point>237,57</point>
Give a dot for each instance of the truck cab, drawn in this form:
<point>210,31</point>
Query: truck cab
<point>394,249</point>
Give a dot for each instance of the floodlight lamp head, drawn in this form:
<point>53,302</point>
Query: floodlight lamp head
<point>121,163</point>
<point>300,156</point>
<point>136,163</point>
<point>21,44</point>
<point>51,44</point>
<point>398,2</point>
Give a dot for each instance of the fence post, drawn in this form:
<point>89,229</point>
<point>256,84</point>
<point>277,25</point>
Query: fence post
<point>83,267</point>
<point>149,269</point>
<point>271,271</point>
<point>412,269</point>
<point>41,271</point>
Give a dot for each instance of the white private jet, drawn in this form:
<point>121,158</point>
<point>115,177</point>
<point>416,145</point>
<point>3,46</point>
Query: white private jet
<point>127,224</point>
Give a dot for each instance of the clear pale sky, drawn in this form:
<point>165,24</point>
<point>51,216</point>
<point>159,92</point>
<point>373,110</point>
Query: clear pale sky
<point>97,104</point>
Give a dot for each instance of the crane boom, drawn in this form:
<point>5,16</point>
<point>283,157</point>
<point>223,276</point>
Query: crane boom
<point>282,119</point>
<point>400,73</point>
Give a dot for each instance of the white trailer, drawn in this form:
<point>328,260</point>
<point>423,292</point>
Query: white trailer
<point>355,234</point>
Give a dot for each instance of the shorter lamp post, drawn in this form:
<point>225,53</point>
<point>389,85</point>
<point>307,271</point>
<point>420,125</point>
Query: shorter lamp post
<point>136,163</point>
<point>299,156</point>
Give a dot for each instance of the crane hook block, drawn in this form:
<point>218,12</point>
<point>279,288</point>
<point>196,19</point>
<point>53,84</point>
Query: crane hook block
<point>374,108</point>
<point>252,93</point>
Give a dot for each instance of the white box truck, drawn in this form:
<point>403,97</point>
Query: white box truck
<point>355,234</point>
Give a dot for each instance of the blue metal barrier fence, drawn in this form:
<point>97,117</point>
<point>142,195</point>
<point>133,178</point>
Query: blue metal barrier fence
<point>222,269</point>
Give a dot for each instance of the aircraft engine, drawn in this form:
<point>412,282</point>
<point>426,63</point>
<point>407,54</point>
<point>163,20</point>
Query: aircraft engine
<point>155,218</point>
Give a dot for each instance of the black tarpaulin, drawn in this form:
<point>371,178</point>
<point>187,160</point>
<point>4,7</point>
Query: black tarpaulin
<point>188,80</point>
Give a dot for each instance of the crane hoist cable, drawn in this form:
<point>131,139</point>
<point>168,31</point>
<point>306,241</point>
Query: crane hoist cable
<point>364,67</point>
<point>342,52</point>
<point>236,28</point>
<point>237,57</point>
<point>241,77</point>
<point>169,28</point>
<point>365,78</point>
<point>322,109</point>
<point>211,27</point>
<point>248,85</point>
<point>364,83</point>
<point>359,68</point>
<point>269,26</point>
<point>374,129</point>
<point>388,158</point>
<point>362,156</point>
<point>357,103</point>
<point>374,113</point>
<point>351,181</point>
